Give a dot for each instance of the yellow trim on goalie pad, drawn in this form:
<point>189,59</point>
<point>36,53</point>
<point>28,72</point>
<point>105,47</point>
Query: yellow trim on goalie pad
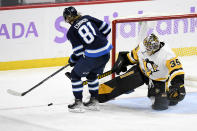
<point>104,89</point>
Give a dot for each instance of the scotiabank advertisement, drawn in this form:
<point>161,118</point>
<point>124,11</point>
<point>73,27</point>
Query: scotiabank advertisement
<point>40,33</point>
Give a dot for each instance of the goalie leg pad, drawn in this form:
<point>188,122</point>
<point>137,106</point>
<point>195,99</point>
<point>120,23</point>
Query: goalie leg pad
<point>120,85</point>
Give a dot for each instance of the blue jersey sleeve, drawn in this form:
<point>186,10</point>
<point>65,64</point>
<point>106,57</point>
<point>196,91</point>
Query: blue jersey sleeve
<point>77,46</point>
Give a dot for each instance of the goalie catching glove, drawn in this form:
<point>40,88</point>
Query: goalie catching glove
<point>176,93</point>
<point>121,63</point>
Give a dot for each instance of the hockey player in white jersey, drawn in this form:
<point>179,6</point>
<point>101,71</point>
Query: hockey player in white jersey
<point>154,64</point>
<point>161,71</point>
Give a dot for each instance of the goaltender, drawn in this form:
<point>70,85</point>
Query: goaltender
<point>155,65</point>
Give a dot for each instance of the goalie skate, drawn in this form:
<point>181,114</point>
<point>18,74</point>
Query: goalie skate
<point>92,104</point>
<point>76,107</point>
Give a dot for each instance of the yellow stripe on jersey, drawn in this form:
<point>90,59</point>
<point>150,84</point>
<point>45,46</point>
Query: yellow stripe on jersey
<point>167,88</point>
<point>176,73</point>
<point>161,79</point>
<point>135,51</point>
<point>132,56</point>
<point>147,71</point>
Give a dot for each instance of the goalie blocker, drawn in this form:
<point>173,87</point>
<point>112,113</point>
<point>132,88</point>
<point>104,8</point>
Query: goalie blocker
<point>121,85</point>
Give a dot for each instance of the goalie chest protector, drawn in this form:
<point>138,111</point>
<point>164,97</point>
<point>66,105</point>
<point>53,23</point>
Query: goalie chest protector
<point>121,84</point>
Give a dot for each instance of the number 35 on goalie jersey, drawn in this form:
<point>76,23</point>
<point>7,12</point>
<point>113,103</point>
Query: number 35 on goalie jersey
<point>175,70</point>
<point>88,37</point>
<point>164,65</point>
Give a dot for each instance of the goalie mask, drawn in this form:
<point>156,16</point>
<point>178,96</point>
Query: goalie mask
<point>151,44</point>
<point>70,14</point>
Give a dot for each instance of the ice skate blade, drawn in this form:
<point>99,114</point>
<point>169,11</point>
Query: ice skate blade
<point>76,110</point>
<point>92,108</point>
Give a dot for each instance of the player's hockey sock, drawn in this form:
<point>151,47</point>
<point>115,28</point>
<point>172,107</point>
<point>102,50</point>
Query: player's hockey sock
<point>77,88</point>
<point>77,85</point>
<point>93,86</point>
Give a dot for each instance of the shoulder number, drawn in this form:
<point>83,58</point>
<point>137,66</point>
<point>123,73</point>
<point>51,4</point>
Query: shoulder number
<point>174,62</point>
<point>87,32</point>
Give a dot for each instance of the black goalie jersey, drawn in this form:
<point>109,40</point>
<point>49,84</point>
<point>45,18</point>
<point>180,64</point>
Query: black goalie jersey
<point>88,37</point>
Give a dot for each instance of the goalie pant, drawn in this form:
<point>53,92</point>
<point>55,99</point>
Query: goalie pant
<point>128,82</point>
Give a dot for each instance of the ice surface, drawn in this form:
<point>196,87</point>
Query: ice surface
<point>130,112</point>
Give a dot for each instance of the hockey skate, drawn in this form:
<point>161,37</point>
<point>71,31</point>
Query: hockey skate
<point>76,107</point>
<point>92,104</point>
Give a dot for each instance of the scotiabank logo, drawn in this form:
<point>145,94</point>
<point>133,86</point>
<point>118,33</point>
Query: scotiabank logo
<point>18,30</point>
<point>130,30</point>
<point>63,30</point>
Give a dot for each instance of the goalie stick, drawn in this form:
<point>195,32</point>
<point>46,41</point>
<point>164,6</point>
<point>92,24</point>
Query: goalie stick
<point>99,76</point>
<point>15,93</point>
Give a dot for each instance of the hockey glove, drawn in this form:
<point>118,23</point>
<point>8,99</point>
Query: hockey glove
<point>176,93</point>
<point>73,59</point>
<point>121,63</point>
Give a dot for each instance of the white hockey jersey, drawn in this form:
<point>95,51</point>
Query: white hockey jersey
<point>163,65</point>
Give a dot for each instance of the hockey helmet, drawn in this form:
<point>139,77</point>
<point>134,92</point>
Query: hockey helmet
<point>69,14</point>
<point>151,44</point>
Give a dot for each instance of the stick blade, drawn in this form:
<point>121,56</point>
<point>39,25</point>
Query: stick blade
<point>12,92</point>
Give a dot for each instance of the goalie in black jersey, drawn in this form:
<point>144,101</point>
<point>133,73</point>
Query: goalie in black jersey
<point>155,65</point>
<point>91,52</point>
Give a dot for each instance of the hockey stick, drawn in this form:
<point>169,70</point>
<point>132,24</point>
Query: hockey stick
<point>99,76</point>
<point>15,93</point>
